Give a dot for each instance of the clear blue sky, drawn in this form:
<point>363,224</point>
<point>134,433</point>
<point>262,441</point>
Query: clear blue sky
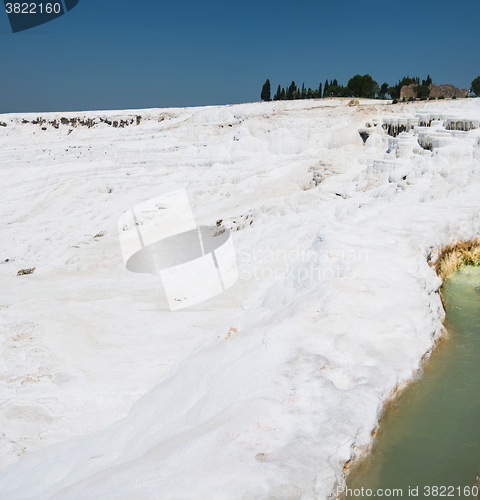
<point>107,54</point>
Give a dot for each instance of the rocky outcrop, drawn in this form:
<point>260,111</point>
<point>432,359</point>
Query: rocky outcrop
<point>82,122</point>
<point>407,91</point>
<point>445,90</point>
<point>448,91</point>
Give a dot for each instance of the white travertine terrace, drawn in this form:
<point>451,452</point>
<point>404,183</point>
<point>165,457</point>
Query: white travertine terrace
<point>268,388</point>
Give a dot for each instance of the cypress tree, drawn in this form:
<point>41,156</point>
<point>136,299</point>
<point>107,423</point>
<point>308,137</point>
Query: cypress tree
<point>320,90</point>
<point>278,95</point>
<point>325,89</point>
<point>265,95</point>
<point>291,91</point>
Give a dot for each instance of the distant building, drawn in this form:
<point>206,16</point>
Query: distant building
<point>448,91</point>
<point>407,91</point>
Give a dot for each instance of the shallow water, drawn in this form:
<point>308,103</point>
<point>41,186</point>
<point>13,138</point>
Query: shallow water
<point>430,436</point>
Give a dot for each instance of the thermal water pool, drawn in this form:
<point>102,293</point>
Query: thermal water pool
<point>430,435</point>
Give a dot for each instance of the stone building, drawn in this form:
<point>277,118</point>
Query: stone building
<point>448,91</point>
<point>407,91</point>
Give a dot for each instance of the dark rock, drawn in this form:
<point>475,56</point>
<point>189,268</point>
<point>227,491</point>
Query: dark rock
<point>364,135</point>
<point>24,272</point>
<point>87,123</point>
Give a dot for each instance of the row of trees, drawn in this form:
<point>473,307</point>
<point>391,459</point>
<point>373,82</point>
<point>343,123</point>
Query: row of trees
<point>358,86</point>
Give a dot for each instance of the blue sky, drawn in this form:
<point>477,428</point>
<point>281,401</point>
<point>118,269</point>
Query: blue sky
<point>107,54</point>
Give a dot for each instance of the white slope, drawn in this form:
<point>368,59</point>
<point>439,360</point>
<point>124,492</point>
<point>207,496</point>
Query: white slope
<point>266,390</point>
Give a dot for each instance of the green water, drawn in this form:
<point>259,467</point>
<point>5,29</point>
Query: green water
<point>431,434</point>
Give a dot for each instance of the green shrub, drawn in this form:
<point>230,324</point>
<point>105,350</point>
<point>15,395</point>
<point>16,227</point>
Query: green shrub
<point>395,101</point>
<point>422,90</point>
<point>404,99</point>
<point>431,98</point>
<point>410,99</point>
<point>454,96</point>
<point>442,97</point>
<point>423,98</point>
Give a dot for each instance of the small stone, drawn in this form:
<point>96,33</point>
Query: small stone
<point>23,272</point>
